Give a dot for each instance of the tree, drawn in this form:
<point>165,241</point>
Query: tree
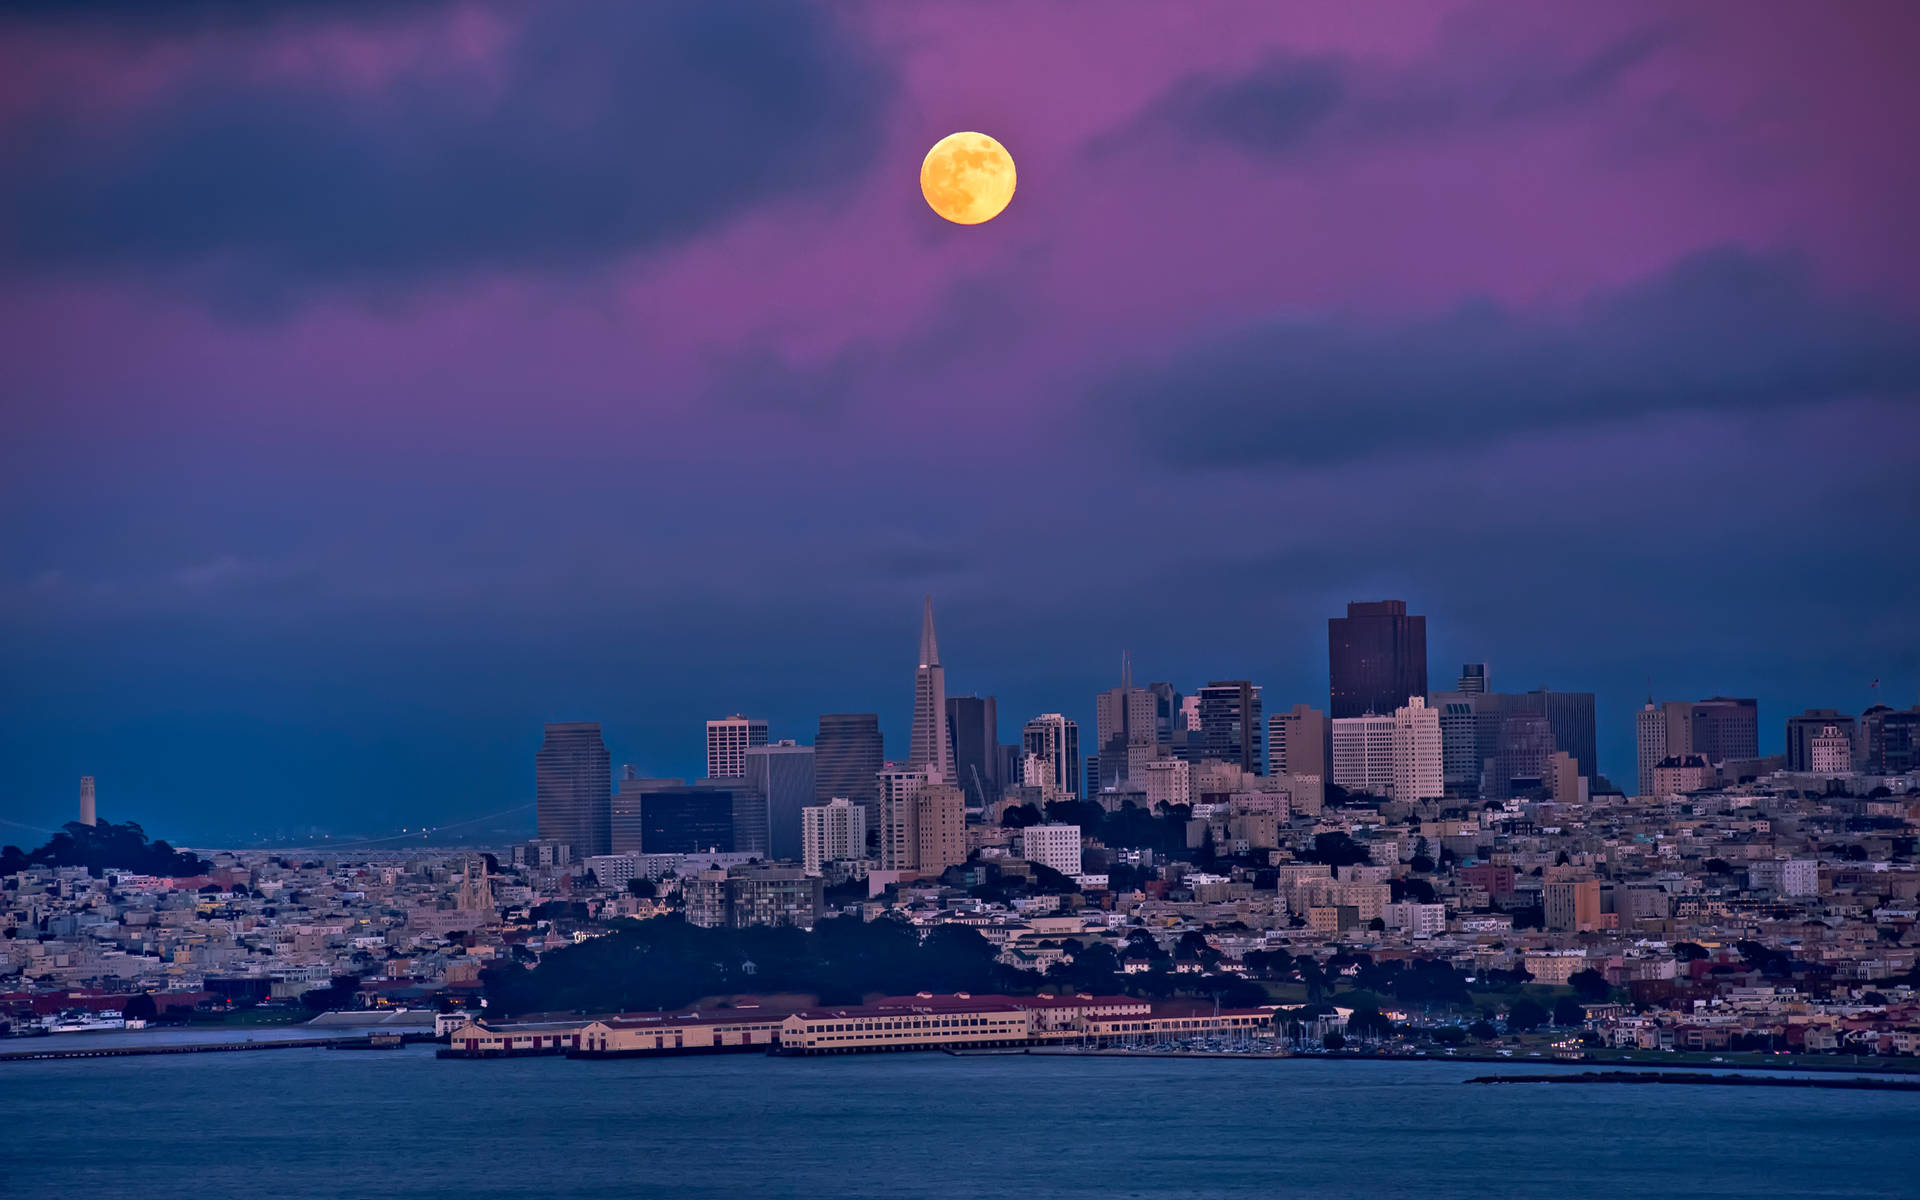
<point>642,887</point>
<point>1450,1035</point>
<point>1482,1030</point>
<point>1369,1023</point>
<point>141,1008</point>
<point>1590,985</point>
<point>1334,1041</point>
<point>1568,1012</point>
<point>1689,951</point>
<point>1377,925</point>
<point>1527,1014</point>
<point>1336,850</point>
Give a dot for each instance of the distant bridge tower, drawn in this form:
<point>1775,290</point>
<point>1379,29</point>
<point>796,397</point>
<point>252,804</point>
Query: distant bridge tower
<point>87,815</point>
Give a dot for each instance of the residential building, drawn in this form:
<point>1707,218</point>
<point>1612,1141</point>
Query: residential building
<point>1892,740</point>
<point>1054,846</point>
<point>832,832</point>
<point>899,817</point>
<point>1676,775</point>
<point>1298,741</point>
<point>1831,752</point>
<point>1168,782</point>
<point>1571,905</point>
<point>573,786</point>
<point>1417,771</point>
<point>1802,729</point>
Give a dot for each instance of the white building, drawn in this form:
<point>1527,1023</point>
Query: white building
<point>1417,773</point>
<point>1055,846</point>
<point>1650,743</point>
<point>832,832</point>
<point>1786,876</point>
<point>614,870</point>
<point>1168,782</point>
<point>1831,752</point>
<point>900,817</point>
<point>1417,919</point>
<point>727,742</point>
<point>1363,754</point>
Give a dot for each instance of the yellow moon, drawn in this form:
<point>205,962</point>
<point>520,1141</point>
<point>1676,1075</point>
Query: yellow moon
<point>967,178</point>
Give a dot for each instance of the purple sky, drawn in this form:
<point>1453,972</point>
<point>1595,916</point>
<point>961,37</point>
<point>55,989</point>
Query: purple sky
<point>384,379</point>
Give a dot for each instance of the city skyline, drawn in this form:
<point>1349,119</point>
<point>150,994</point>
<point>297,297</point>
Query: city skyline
<point>328,498</point>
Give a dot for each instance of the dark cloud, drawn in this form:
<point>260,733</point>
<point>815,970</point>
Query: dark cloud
<point>1724,329</point>
<point>1290,104</point>
<point>174,18</point>
<point>609,128</point>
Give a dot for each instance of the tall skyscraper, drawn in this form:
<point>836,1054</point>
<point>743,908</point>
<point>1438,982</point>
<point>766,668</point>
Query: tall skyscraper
<point>1376,658</point>
<point>1168,719</point>
<point>1891,739</point>
<point>1417,771</point>
<point>1570,716</point>
<point>727,743</point>
<point>848,753</point>
<point>782,777</point>
<point>974,726</point>
<point>931,749</point>
<point>705,817</point>
<point>1230,726</point>
<point>1055,742</point>
<point>88,814</point>
<point>1725,729</point>
<point>1802,729</point>
<point>573,788</point>
<point>1523,761</point>
<point>1297,742</point>
<point>1649,743</point>
<point>1473,678</point>
<point>1126,723</point>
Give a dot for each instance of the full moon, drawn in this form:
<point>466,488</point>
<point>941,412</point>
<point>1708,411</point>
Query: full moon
<point>967,178</point>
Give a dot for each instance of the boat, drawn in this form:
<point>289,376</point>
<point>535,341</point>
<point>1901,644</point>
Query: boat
<point>85,1023</point>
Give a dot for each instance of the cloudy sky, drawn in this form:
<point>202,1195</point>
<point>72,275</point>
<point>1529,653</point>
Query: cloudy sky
<point>383,378</point>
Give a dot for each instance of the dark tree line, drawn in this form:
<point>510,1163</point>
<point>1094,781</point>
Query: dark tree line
<point>105,847</point>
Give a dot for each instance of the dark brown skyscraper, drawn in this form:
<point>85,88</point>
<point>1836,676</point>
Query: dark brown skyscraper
<point>573,782</point>
<point>847,757</point>
<point>1376,658</point>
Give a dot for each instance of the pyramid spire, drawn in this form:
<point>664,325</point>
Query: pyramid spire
<point>929,645</point>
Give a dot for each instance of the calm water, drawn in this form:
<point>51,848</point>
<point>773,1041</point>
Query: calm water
<point>319,1123</point>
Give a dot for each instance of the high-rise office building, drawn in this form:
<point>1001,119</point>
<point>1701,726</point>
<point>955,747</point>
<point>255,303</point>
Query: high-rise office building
<point>1417,773</point>
<point>1726,729</point>
<point>88,813</point>
<point>974,726</point>
<point>1649,743</point>
<point>1168,717</point>
<point>1376,658</point>
<point>848,753</point>
<point>1363,754</point>
<point>1802,729</point>
<point>1891,740</point>
<point>1469,735</point>
<point>1126,724</point>
<point>700,818</point>
<point>573,787</point>
<point>930,749</point>
<point>1297,742</point>
<point>1473,679</point>
<point>1522,763</point>
<point>626,824</point>
<point>727,743</point>
<point>832,832</point>
<point>1055,742</point>
<point>781,775</point>
<point>1230,725</point>
<point>1570,715</point>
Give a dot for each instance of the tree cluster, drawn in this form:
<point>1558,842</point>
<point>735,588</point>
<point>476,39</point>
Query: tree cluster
<point>105,847</point>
